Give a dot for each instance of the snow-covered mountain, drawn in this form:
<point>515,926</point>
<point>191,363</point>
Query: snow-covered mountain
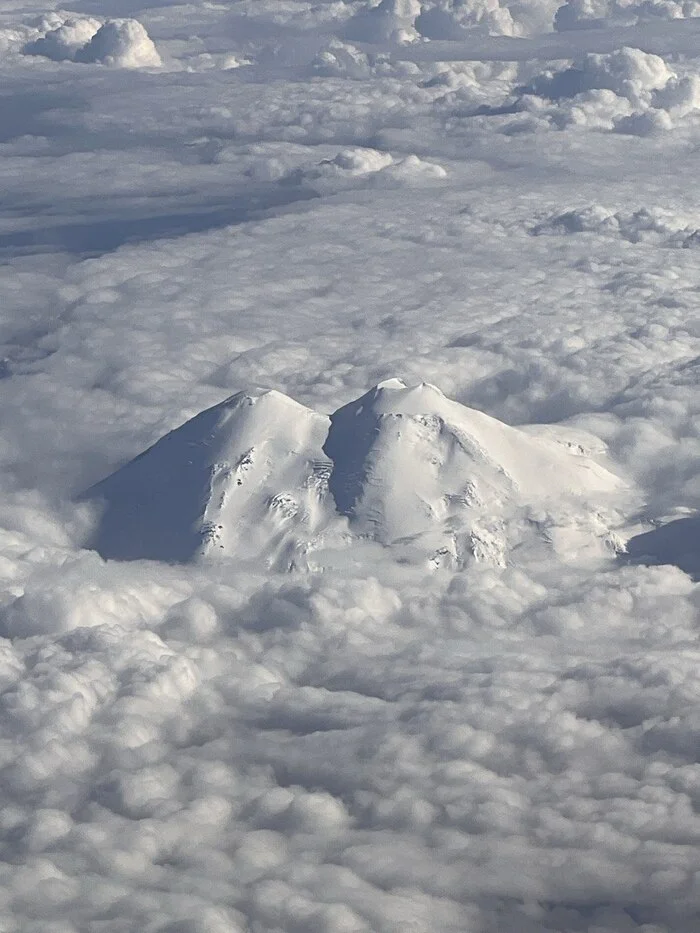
<point>223,478</point>
<point>261,477</point>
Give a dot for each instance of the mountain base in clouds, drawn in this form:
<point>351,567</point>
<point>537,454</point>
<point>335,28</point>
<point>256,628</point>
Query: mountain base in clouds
<point>403,469</point>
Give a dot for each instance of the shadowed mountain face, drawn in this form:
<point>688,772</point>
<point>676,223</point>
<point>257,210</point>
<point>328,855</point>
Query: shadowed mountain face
<point>155,502</point>
<point>676,543</point>
<point>260,477</point>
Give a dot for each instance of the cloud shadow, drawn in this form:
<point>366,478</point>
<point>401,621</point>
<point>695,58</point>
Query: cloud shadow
<point>677,543</point>
<point>93,237</point>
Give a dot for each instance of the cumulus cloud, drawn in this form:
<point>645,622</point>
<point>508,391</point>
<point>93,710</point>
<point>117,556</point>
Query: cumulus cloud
<point>653,225</point>
<point>79,594</point>
<point>589,14</point>
<point>340,59</point>
<point>325,754</point>
<point>679,96</point>
<point>408,20</point>
<point>389,20</point>
<point>627,72</point>
<point>454,20</point>
<point>122,43</point>
<point>627,90</point>
<point>63,42</point>
<point>447,19</point>
<point>361,167</point>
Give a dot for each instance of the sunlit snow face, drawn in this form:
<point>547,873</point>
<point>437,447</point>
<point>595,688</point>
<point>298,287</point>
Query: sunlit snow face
<point>315,198</point>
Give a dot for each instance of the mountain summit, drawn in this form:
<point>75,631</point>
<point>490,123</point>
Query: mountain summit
<point>403,469</point>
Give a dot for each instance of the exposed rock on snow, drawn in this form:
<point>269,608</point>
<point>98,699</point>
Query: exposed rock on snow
<point>261,477</point>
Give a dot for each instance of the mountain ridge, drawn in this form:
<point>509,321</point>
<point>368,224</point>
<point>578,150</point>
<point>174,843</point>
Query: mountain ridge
<point>261,477</point>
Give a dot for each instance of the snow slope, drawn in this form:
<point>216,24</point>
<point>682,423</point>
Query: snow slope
<point>221,481</point>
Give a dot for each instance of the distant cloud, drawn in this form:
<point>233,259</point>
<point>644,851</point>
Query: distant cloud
<point>122,43</point>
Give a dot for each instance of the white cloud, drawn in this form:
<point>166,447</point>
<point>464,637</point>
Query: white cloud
<point>328,762</point>
<point>588,14</point>
<point>628,90</point>
<point>122,43</point>
<point>654,225</point>
<point>388,20</point>
<point>627,72</point>
<point>446,19</point>
<point>362,167</point>
<point>63,42</point>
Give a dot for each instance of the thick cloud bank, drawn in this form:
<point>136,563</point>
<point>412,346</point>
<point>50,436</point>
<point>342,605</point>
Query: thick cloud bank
<point>343,754</point>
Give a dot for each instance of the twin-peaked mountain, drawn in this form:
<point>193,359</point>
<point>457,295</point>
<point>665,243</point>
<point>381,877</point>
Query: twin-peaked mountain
<point>402,472</point>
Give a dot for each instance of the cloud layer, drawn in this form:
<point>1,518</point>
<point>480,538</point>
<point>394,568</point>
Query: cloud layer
<point>224,749</point>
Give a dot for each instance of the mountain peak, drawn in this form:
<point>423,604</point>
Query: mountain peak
<point>261,477</point>
<point>393,382</point>
<point>394,397</point>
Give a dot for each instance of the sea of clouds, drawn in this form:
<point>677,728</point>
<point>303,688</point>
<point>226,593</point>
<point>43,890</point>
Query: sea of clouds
<point>314,197</point>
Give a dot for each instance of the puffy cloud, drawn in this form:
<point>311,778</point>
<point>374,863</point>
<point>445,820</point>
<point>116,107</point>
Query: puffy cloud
<point>628,90</point>
<point>645,123</point>
<point>63,42</point>
<point>407,20</point>
<point>340,59</point>
<point>447,19</point>
<point>302,775</point>
<point>122,43</point>
<point>589,14</point>
<point>627,72</point>
<point>77,594</point>
<point>654,225</point>
<point>360,167</point>
<point>391,20</point>
<point>679,96</point>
